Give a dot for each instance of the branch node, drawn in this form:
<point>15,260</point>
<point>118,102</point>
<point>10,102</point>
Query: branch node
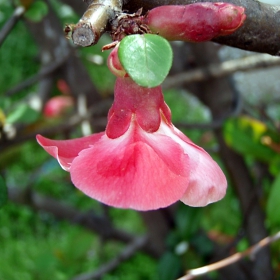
<point>84,35</point>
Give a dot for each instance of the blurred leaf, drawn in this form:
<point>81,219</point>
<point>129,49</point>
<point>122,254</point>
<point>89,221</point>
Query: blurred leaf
<point>169,266</point>
<point>146,58</point>
<point>273,202</point>
<point>99,73</point>
<point>26,3</point>
<point>23,114</point>
<point>2,118</point>
<point>3,192</point>
<point>202,244</point>
<point>244,135</point>
<point>274,166</point>
<point>37,11</point>
<point>188,220</point>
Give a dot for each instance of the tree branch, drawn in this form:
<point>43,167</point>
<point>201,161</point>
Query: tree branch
<point>217,70</point>
<point>66,212</point>
<point>260,32</point>
<point>250,252</point>
<point>45,71</point>
<point>126,254</point>
<point>18,12</point>
<point>94,21</point>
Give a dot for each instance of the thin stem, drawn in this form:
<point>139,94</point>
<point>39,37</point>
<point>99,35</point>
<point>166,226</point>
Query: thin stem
<point>126,254</point>
<point>217,70</point>
<point>250,252</point>
<point>18,12</point>
<point>46,70</point>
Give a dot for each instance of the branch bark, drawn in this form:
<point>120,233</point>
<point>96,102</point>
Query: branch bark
<point>11,22</point>
<point>217,70</point>
<point>94,21</point>
<point>260,32</point>
<point>250,252</point>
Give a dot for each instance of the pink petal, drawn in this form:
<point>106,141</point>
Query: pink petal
<point>118,122</point>
<point>66,150</point>
<point>207,181</point>
<point>139,170</point>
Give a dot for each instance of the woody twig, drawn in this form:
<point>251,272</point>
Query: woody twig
<point>94,22</point>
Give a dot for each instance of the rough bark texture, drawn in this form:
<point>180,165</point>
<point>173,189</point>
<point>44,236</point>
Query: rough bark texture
<point>260,32</point>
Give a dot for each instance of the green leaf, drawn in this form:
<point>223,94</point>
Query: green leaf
<point>24,114</point>
<point>37,11</point>
<point>188,220</point>
<point>169,266</point>
<point>3,192</point>
<point>274,166</point>
<point>146,58</point>
<point>244,135</point>
<point>273,203</point>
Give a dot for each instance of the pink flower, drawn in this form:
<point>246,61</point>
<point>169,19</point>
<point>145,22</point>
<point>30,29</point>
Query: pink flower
<point>141,161</point>
<point>57,106</point>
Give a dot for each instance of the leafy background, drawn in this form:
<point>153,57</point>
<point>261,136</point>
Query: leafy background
<point>37,245</point>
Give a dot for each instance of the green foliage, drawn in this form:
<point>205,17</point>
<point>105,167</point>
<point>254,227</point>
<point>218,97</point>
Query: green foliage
<point>169,266</point>
<point>146,58</point>
<point>245,135</point>
<point>18,55</point>
<point>37,11</point>
<point>42,248</point>
<point>122,219</point>
<point>23,114</point>
<point>3,192</point>
<point>139,267</point>
<point>186,109</point>
<point>188,221</point>
<point>273,203</point>
<point>95,62</point>
<point>225,221</point>
<point>274,166</point>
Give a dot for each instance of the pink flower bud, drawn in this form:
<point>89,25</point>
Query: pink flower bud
<point>63,87</point>
<point>195,22</point>
<point>114,63</point>
<point>57,106</point>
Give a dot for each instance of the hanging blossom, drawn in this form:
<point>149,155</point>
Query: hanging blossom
<point>141,161</point>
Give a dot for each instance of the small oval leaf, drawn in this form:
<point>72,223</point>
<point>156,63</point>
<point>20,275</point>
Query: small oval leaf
<point>146,58</point>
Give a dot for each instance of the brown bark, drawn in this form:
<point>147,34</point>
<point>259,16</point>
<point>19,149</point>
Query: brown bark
<point>94,21</point>
<point>260,32</point>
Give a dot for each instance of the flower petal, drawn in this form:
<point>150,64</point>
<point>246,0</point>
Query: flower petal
<point>128,172</point>
<point>66,150</point>
<point>207,181</point>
